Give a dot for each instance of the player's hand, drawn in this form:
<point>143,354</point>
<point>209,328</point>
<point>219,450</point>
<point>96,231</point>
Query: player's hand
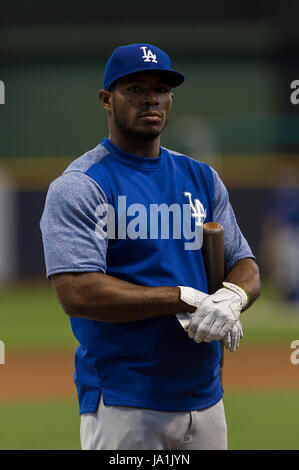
<point>192,297</point>
<point>232,338</point>
<point>217,313</point>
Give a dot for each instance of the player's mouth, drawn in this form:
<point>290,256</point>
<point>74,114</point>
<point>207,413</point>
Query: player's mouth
<point>151,116</point>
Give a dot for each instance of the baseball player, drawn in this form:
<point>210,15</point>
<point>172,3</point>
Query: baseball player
<point>122,233</point>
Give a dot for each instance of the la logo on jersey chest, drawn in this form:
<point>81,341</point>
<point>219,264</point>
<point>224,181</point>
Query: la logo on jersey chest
<point>148,56</point>
<point>197,208</point>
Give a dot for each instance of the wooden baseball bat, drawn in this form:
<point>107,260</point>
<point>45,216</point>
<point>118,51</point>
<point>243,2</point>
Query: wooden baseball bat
<point>213,255</point>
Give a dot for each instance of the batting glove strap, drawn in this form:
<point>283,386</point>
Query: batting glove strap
<point>191,296</point>
<point>238,290</point>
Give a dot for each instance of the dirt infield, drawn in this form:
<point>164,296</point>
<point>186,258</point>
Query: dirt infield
<point>260,368</point>
<point>49,375</point>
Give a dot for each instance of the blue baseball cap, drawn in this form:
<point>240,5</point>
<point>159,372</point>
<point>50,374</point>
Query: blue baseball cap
<point>139,58</point>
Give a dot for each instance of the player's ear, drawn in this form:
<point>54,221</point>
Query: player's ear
<point>105,98</point>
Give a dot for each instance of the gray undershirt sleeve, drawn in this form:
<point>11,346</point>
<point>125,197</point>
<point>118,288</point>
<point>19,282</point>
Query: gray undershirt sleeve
<point>236,246</point>
<point>68,225</point>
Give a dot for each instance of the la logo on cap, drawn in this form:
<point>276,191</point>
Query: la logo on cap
<point>148,56</point>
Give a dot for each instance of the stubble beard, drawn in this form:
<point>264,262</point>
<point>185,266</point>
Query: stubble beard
<point>139,134</point>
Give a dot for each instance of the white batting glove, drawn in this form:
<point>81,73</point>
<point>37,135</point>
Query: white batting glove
<point>232,338</point>
<point>217,313</point>
<point>192,297</point>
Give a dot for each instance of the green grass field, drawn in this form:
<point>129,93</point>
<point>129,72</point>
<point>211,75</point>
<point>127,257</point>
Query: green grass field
<point>32,319</point>
<point>39,426</point>
<point>263,420</point>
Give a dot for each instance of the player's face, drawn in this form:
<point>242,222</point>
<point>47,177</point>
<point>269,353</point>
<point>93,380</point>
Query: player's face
<point>142,104</point>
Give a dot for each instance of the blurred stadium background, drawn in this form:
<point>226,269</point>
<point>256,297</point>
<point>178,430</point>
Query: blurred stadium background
<point>234,112</point>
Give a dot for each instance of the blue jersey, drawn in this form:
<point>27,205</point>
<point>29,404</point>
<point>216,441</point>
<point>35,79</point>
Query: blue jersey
<point>137,219</point>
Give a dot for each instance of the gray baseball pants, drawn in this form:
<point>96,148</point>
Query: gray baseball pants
<point>128,428</point>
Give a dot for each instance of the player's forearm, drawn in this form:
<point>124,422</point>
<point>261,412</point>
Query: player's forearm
<point>245,273</point>
<point>104,298</point>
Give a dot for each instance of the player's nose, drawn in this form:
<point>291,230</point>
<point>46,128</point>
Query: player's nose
<point>151,98</point>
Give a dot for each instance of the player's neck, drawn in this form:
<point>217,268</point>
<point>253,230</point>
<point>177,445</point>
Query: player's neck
<point>142,148</point>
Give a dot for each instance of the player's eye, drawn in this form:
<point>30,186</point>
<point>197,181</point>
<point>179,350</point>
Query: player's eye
<point>164,89</point>
<point>133,88</point>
